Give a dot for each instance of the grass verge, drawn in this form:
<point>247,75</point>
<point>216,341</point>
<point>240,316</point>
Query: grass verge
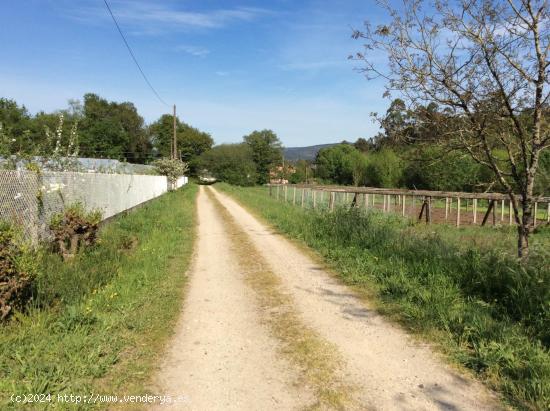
<point>99,321</point>
<point>484,310</point>
<point>317,360</point>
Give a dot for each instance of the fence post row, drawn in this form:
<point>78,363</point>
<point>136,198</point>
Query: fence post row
<point>368,199</point>
<point>458,211</point>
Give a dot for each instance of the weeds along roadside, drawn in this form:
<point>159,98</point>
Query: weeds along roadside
<point>484,310</point>
<point>100,319</point>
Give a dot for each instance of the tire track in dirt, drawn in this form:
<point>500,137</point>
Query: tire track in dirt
<point>221,356</point>
<point>392,370</point>
<point>318,362</point>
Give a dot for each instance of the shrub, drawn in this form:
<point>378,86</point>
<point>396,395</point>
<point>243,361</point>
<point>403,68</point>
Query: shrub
<point>15,275</point>
<point>74,229</point>
<point>385,169</point>
<point>171,168</point>
<point>435,169</point>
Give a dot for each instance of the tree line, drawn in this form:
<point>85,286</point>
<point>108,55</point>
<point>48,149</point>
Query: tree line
<point>406,154</point>
<point>102,129</point>
<point>99,128</point>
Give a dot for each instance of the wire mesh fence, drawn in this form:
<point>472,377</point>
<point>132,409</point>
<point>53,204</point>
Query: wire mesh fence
<point>19,201</point>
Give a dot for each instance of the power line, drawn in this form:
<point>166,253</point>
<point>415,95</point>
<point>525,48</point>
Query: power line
<point>132,54</point>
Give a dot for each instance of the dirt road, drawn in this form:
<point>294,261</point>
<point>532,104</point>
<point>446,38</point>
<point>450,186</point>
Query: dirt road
<point>264,327</point>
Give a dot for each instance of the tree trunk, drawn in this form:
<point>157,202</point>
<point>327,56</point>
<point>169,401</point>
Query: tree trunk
<point>523,242</point>
<point>525,227</point>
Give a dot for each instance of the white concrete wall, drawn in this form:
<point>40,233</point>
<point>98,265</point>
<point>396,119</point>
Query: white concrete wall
<point>30,200</point>
<point>110,193</point>
<point>181,181</point>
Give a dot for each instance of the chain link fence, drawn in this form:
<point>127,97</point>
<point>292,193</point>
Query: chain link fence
<point>29,200</point>
<point>19,201</point>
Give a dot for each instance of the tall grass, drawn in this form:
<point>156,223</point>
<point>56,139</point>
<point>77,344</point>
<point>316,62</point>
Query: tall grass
<point>487,311</point>
<point>99,320</point>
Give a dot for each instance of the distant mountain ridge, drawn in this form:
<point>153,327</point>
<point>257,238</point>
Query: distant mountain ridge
<point>304,153</point>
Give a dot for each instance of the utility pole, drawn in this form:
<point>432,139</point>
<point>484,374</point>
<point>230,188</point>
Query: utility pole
<point>174,139</point>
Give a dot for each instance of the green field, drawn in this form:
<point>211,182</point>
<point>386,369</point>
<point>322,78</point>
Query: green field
<point>99,321</point>
<point>460,288</point>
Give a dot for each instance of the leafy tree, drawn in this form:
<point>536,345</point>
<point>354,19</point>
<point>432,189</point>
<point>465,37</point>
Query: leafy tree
<point>384,169</point>
<point>15,122</point>
<point>112,130</point>
<point>397,123</point>
<point>543,180</point>
<point>491,73</point>
<point>362,145</point>
<point>437,169</point>
<point>191,141</point>
<point>231,163</point>
<point>161,133</point>
<point>266,151</point>
<point>341,163</point>
<point>303,171</point>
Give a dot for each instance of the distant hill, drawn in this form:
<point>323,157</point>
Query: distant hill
<point>304,153</point>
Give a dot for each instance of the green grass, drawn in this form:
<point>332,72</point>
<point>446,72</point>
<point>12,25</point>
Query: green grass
<point>98,322</point>
<point>484,310</point>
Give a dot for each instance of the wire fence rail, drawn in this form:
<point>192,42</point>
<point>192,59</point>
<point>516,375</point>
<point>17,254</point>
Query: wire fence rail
<point>459,208</point>
<point>29,199</point>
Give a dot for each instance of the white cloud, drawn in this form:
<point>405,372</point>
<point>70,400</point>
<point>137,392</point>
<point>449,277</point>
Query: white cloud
<point>150,18</point>
<point>193,50</point>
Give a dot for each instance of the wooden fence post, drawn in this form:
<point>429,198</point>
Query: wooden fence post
<point>429,211</point>
<point>502,210</point>
<point>510,212</point>
<point>548,212</point>
<point>488,213</point>
<point>422,209</point>
<point>303,194</point>
<point>367,201</point>
<point>331,201</point>
<point>294,196</point>
<point>285,190</point>
<point>458,211</point>
<point>270,190</point>
<point>535,216</point>
<point>403,199</point>
<point>314,199</point>
<point>475,210</point>
<point>446,208</point>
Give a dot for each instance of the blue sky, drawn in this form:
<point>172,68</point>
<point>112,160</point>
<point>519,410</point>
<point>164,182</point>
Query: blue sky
<point>230,66</point>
